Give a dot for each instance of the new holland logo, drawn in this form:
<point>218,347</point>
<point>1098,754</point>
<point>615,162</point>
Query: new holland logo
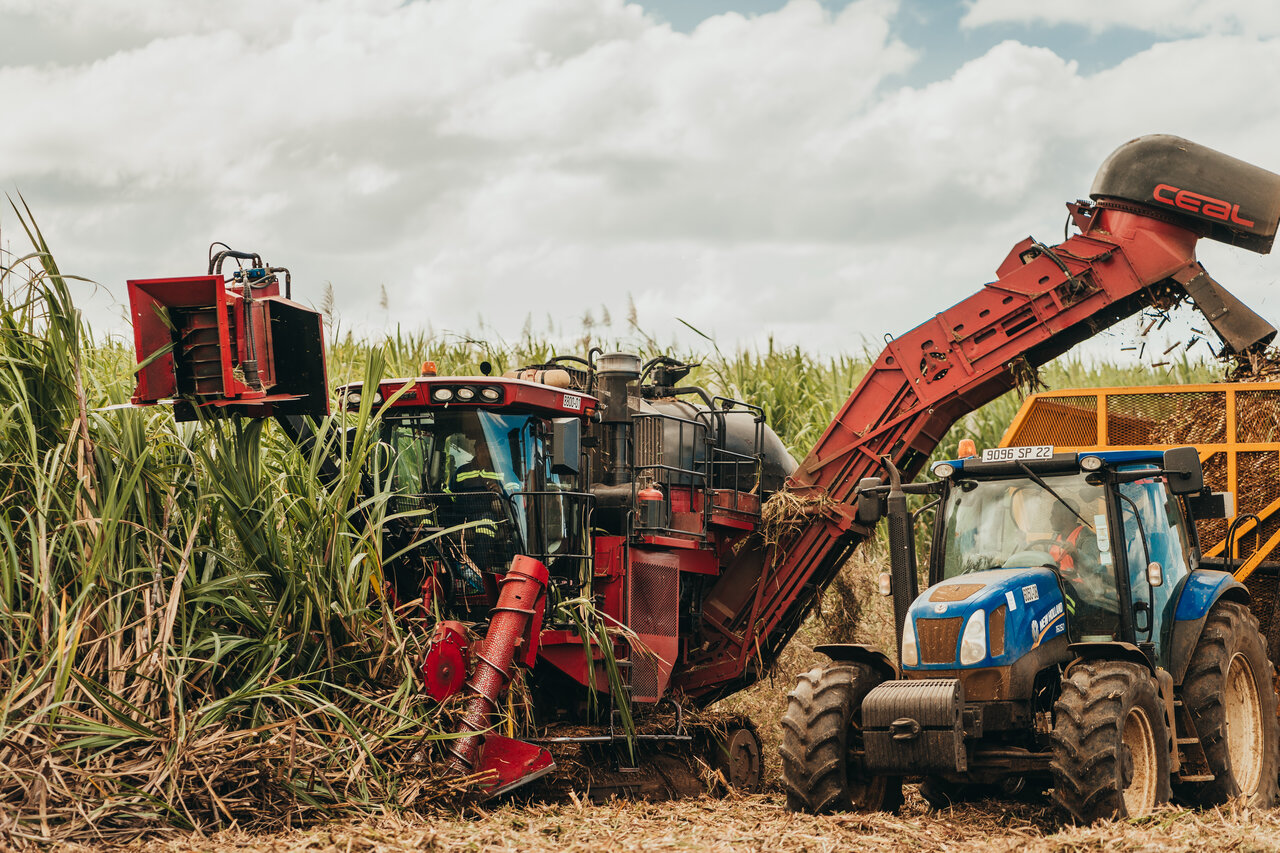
<point>1040,627</point>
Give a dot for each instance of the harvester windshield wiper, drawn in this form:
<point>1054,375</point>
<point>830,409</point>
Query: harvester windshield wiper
<point>1042,484</point>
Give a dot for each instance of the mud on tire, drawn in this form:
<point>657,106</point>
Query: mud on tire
<point>1110,742</point>
<point>821,726</point>
<point>1229,694</point>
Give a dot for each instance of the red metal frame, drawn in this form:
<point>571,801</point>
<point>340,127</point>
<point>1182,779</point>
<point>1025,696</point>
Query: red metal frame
<point>516,395</point>
<point>1044,302</point>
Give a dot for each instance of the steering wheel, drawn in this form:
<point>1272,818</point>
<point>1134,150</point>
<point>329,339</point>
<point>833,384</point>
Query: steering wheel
<point>1067,549</point>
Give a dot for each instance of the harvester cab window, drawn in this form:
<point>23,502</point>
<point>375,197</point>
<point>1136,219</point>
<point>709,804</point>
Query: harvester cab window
<point>1017,523</point>
<point>1160,537</point>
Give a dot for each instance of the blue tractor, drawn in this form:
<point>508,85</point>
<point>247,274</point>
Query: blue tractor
<point>1071,637</point>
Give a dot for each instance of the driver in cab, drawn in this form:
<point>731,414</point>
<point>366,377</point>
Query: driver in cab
<point>1062,529</point>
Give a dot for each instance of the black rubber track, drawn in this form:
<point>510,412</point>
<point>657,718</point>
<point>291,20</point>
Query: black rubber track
<point>821,723</point>
<point>1229,629</point>
<point>1090,761</point>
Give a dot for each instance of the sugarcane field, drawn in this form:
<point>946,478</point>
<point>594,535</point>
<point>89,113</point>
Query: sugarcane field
<point>588,424</point>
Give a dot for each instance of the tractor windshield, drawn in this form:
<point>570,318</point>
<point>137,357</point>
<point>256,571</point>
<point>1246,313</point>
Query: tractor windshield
<point>1018,523</point>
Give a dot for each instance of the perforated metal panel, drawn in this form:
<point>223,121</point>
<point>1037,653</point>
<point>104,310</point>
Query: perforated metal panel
<point>1060,420</point>
<point>654,596</point>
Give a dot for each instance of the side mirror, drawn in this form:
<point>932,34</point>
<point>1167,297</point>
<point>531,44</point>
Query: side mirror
<point>1155,574</point>
<point>566,445</point>
<point>1182,466</point>
<point>870,505</point>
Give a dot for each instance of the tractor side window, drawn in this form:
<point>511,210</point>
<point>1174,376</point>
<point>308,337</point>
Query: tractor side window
<point>1165,544</point>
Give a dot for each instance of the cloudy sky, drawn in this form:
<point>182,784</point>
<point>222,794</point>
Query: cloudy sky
<point>819,172</point>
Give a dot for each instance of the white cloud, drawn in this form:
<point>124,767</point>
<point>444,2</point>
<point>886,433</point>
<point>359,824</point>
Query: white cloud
<point>759,175</point>
<point>1162,17</point>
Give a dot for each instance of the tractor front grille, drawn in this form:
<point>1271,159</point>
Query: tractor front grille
<point>938,639</point>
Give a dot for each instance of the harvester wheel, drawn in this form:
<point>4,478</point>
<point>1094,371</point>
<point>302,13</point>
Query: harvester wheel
<point>821,732</point>
<point>1110,742</point>
<point>1229,694</point>
<point>737,756</point>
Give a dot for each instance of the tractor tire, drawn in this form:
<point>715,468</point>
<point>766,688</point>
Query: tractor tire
<point>1228,691</point>
<point>1110,742</point>
<point>821,727</point>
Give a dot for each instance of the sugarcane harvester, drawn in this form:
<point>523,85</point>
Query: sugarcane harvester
<point>610,480</point>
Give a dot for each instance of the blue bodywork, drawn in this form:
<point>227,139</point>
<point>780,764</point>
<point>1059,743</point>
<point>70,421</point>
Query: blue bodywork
<point>1035,609</point>
<point>1202,589</point>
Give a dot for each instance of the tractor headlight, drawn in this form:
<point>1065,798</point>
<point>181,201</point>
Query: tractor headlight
<point>910,655</point>
<point>973,643</point>
<point>943,470</point>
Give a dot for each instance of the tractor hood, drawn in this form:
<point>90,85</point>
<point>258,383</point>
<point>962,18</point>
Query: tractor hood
<point>1020,609</point>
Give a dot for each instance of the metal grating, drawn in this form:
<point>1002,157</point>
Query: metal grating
<point>648,439</point>
<point>1060,420</point>
<point>654,596</point>
<point>644,677</point>
<point>1258,416</point>
<point>938,639</point>
<point>1163,418</point>
<point>655,599</point>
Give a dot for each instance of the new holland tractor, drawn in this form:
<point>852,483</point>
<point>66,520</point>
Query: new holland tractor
<point>1068,638</point>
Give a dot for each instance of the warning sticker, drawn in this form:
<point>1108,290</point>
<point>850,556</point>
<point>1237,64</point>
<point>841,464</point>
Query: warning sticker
<point>1030,593</point>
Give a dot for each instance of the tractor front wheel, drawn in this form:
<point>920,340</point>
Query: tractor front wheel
<point>822,744</point>
<point>1229,695</point>
<point>1110,742</point>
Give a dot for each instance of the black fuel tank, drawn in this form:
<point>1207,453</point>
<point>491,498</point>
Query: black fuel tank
<point>1232,201</point>
<point>733,431</point>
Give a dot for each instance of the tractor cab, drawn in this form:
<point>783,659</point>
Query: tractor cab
<point>480,469</point>
<point>1045,552</point>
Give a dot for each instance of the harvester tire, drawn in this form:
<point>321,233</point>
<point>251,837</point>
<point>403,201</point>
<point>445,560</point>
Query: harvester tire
<point>1110,742</point>
<point>821,731</point>
<point>1229,694</point>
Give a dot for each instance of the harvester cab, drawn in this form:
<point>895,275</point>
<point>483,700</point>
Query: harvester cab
<point>481,469</point>
<point>1069,637</point>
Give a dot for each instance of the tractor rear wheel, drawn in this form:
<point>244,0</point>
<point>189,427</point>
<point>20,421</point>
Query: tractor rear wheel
<point>1110,742</point>
<point>822,744</point>
<point>1229,694</point>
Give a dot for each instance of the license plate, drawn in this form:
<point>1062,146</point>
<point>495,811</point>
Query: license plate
<point>1017,454</point>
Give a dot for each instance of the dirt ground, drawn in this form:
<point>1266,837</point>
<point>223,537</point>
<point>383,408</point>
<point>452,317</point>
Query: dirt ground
<point>759,822</point>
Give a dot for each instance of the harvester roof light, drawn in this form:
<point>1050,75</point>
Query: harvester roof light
<point>943,470</point>
<point>967,448</point>
<point>354,398</point>
<point>973,643</point>
<point>466,393</point>
<point>442,395</point>
<point>491,394</point>
<point>428,368</point>
<point>377,398</point>
<point>1091,463</point>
